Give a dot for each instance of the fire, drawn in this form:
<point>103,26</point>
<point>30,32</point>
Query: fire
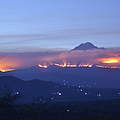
<point>103,66</point>
<point>85,65</point>
<point>110,60</point>
<point>65,64</point>
<point>73,65</point>
<point>6,70</point>
<point>42,66</point>
<point>9,64</point>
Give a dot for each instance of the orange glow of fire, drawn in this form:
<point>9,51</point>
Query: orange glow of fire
<point>42,66</point>
<point>101,66</point>
<point>9,64</point>
<point>6,70</point>
<point>65,64</point>
<point>110,60</point>
<point>85,65</point>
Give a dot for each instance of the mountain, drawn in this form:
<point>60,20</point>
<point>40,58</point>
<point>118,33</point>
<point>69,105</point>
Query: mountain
<point>86,77</point>
<point>44,91</point>
<point>86,46</point>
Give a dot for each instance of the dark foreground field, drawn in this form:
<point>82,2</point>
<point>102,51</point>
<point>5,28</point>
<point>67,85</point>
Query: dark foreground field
<point>98,110</point>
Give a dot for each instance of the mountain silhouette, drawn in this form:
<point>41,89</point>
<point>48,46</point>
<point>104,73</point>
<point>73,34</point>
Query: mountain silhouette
<point>41,91</point>
<point>84,76</point>
<point>86,46</point>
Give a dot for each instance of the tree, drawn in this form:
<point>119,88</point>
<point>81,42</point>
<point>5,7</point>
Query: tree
<point>8,97</point>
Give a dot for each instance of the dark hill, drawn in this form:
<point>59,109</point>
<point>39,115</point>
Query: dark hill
<point>43,91</point>
<point>86,46</point>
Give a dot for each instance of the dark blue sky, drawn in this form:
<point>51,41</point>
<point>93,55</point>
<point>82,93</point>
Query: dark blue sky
<point>28,25</point>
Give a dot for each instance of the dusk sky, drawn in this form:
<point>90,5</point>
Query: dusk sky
<point>32,25</point>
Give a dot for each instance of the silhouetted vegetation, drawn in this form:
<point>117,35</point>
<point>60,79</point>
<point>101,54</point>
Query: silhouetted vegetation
<point>97,110</point>
<point>45,106</point>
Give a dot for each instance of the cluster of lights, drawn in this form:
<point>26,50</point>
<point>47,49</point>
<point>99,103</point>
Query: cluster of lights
<point>86,93</point>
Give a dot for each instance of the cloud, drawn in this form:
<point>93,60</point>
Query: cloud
<point>24,60</point>
<point>81,56</point>
<point>60,34</point>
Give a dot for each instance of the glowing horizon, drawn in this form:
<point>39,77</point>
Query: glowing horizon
<point>112,60</point>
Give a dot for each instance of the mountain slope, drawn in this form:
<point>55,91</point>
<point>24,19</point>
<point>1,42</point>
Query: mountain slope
<point>41,91</point>
<point>86,46</point>
<point>84,76</point>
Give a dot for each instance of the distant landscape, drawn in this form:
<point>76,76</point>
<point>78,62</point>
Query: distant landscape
<point>65,82</point>
<point>59,59</point>
<point>69,91</point>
